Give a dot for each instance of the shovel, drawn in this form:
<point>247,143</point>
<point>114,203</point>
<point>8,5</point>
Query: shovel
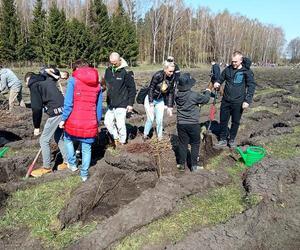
<point>208,139</point>
<point>30,168</point>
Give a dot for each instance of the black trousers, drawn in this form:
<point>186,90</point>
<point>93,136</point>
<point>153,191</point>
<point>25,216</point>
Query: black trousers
<point>233,110</point>
<point>188,134</point>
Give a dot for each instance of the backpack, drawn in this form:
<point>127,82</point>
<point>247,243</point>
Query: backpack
<point>143,92</point>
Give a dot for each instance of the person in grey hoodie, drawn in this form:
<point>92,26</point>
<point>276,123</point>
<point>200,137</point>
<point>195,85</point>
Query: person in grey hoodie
<point>9,81</point>
<point>188,125</point>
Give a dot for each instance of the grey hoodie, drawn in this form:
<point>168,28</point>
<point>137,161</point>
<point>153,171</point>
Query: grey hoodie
<point>188,110</point>
<point>8,79</point>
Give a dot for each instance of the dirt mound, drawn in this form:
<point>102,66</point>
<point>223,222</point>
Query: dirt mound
<point>150,205</point>
<point>12,169</point>
<point>272,224</point>
<point>107,190</point>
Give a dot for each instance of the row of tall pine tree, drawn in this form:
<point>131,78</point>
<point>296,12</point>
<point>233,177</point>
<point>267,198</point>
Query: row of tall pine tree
<point>52,39</point>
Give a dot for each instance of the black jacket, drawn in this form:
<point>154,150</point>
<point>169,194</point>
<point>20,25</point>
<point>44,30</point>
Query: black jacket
<point>155,88</point>
<point>44,95</point>
<point>188,110</point>
<point>121,88</point>
<point>215,73</point>
<point>240,84</point>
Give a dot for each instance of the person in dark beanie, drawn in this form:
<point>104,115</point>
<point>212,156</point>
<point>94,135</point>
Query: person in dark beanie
<point>188,125</point>
<point>45,96</point>
<point>238,94</point>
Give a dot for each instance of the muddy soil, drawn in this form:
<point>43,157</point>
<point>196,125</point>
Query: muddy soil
<point>134,185</point>
<point>272,224</point>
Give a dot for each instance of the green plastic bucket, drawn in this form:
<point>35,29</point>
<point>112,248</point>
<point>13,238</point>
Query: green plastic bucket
<point>252,155</point>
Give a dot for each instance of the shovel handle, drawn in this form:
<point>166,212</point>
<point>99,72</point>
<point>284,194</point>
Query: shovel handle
<point>30,168</point>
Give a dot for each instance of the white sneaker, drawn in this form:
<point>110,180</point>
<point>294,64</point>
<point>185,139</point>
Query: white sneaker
<point>84,178</point>
<point>72,168</point>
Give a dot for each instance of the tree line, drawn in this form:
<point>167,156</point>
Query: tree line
<point>60,31</point>
<point>47,36</point>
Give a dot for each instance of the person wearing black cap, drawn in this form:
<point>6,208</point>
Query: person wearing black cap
<point>188,125</point>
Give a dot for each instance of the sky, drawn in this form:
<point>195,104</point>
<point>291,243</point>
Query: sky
<point>281,13</point>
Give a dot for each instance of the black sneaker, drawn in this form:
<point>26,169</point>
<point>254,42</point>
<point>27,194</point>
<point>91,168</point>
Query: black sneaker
<point>181,167</point>
<point>221,144</point>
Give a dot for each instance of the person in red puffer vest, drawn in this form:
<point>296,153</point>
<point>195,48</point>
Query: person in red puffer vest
<point>82,114</point>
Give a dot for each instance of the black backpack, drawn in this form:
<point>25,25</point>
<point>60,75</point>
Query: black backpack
<point>143,92</point>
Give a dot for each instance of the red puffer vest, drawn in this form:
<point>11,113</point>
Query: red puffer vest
<point>83,119</point>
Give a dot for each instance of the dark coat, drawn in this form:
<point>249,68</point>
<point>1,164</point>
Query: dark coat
<point>155,88</point>
<point>44,95</point>
<point>120,86</point>
<point>239,83</point>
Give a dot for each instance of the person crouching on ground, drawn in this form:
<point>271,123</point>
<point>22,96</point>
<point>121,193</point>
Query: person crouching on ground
<point>82,114</point>
<point>45,95</point>
<point>188,125</point>
<point>161,87</point>
<point>9,80</point>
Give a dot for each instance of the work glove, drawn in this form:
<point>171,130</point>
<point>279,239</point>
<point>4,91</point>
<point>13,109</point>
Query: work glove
<point>245,105</point>
<point>62,124</point>
<point>217,85</point>
<point>169,111</point>
<point>36,132</point>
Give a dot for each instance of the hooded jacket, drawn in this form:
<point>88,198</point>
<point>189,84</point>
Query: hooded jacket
<point>240,84</point>
<point>187,101</point>
<point>120,86</point>
<point>44,95</point>
<point>156,83</point>
<point>80,113</point>
<point>8,79</point>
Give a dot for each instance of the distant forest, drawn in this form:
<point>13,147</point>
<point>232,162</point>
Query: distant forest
<point>61,31</point>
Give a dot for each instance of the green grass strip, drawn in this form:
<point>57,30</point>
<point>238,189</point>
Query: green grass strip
<point>37,208</point>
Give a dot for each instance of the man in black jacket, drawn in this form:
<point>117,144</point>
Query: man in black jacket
<point>121,92</point>
<point>238,93</point>
<point>188,115</point>
<point>45,96</point>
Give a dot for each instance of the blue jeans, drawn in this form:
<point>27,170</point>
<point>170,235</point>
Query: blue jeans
<point>86,155</point>
<point>159,108</point>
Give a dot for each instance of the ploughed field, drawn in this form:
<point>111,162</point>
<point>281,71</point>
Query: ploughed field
<point>135,197</point>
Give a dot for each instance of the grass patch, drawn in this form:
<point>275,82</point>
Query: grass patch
<point>275,111</point>
<point>217,207</point>
<point>267,91</point>
<point>285,146</point>
<point>293,99</point>
<point>215,162</point>
<point>37,208</point>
